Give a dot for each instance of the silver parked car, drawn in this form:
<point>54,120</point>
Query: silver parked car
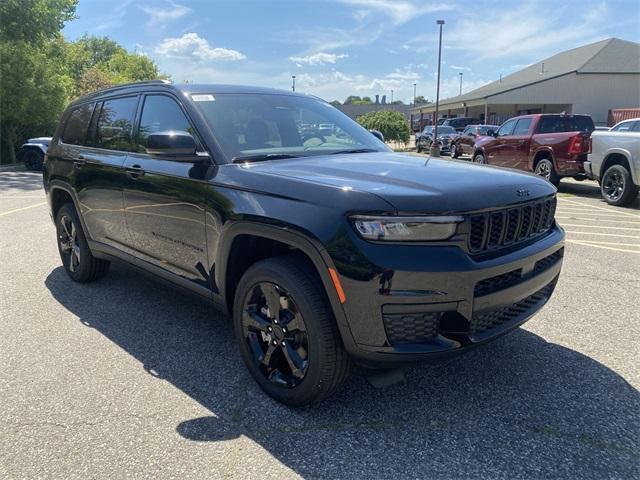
<point>614,161</point>
<point>32,153</point>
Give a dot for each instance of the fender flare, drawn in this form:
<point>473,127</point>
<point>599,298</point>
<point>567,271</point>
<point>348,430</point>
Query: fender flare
<point>56,184</point>
<point>312,248</point>
<point>545,149</point>
<point>32,146</point>
<point>626,154</point>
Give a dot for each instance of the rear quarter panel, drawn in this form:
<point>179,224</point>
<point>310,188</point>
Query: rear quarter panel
<point>558,145</point>
<point>605,144</point>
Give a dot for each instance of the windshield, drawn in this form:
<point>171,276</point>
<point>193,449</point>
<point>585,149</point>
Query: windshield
<point>443,130</point>
<point>268,126</point>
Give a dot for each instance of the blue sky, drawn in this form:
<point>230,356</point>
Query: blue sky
<point>338,48</point>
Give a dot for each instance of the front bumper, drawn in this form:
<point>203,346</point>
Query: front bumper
<point>429,302</point>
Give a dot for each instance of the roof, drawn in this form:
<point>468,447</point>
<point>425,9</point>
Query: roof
<point>606,56</point>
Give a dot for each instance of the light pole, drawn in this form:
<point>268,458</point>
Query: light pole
<point>414,94</point>
<point>434,151</point>
<point>392,96</point>
<point>293,83</point>
<point>460,83</point>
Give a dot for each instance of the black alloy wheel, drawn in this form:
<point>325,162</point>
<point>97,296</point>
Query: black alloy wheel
<point>479,158</point>
<point>33,159</point>
<point>77,259</point>
<point>544,168</point>
<point>286,331</point>
<point>276,334</point>
<point>617,186</point>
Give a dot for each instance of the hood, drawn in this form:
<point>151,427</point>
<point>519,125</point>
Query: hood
<point>40,140</point>
<point>412,183</point>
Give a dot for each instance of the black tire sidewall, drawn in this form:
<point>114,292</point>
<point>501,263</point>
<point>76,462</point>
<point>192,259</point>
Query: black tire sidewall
<point>33,160</point>
<point>311,387</point>
<point>630,190</point>
<point>483,162</point>
<point>83,273</point>
<point>553,177</point>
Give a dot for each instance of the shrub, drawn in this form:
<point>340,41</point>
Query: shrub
<point>393,125</point>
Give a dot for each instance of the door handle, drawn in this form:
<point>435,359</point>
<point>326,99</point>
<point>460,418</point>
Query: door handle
<point>79,161</point>
<point>135,171</point>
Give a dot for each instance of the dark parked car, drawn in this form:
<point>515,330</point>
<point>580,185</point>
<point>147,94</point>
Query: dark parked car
<point>459,123</point>
<point>325,251</point>
<point>425,138</point>
<point>551,145</point>
<point>463,144</point>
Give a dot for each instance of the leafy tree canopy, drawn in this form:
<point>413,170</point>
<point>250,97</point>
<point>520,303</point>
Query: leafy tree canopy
<point>355,100</point>
<point>393,125</point>
<point>421,100</point>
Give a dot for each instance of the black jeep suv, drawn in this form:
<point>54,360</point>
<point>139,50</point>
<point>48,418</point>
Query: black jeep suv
<point>325,247</point>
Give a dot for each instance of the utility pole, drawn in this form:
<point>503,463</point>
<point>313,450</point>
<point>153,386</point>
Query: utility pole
<point>414,94</point>
<point>392,95</point>
<point>293,83</point>
<point>460,83</point>
<point>434,151</point>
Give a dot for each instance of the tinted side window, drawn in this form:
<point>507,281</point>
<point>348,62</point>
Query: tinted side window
<point>160,114</point>
<point>114,124</point>
<point>506,128</point>
<point>75,130</point>
<point>522,127</point>
<point>557,124</point>
<point>623,127</point>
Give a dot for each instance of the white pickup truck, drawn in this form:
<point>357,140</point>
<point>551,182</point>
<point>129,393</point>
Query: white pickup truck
<point>614,161</point>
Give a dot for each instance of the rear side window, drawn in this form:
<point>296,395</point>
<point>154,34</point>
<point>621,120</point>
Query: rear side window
<point>625,127</point>
<point>114,124</point>
<point>75,130</point>
<point>160,114</point>
<point>522,127</point>
<point>558,124</point>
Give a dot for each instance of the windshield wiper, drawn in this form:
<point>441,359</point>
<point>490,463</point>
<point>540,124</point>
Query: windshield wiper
<point>355,150</point>
<point>261,157</point>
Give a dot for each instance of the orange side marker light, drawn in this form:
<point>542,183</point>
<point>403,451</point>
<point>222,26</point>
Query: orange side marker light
<point>336,284</point>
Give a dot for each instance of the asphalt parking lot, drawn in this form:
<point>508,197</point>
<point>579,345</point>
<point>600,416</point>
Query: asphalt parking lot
<point>126,378</point>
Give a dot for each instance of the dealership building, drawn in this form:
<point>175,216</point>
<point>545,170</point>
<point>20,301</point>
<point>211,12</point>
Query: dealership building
<point>591,79</point>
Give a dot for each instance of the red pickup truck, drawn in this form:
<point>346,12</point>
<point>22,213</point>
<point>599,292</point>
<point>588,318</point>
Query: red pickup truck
<point>551,145</point>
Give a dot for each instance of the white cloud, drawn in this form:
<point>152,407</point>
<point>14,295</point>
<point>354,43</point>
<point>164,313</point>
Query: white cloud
<point>398,11</point>
<point>320,58</point>
<point>158,16</point>
<point>456,67</point>
<point>191,45</point>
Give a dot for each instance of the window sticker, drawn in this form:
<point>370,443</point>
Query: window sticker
<point>203,98</point>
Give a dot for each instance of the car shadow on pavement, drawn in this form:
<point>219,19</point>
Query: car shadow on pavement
<point>520,407</point>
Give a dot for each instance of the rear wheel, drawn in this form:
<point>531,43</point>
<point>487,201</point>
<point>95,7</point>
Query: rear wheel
<point>544,168</point>
<point>617,186</point>
<point>287,335</point>
<point>479,158</point>
<point>74,251</point>
<point>33,159</point>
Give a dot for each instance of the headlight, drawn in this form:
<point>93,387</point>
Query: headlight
<point>406,229</point>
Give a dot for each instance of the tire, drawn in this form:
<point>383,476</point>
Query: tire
<point>454,151</point>
<point>479,158</point>
<point>312,364</point>
<point>544,168</point>
<point>617,186</point>
<point>77,260</point>
<point>33,159</point>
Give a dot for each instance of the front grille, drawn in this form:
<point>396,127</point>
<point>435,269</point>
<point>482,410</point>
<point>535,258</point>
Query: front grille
<point>497,283</point>
<point>411,327</point>
<point>546,262</point>
<point>500,228</point>
<point>485,321</point>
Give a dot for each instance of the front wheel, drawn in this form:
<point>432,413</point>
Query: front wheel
<point>544,168</point>
<point>455,152</point>
<point>287,335</point>
<point>33,159</point>
<point>617,186</point>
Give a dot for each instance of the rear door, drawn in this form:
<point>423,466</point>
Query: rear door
<point>498,151</point>
<point>98,170</point>
<point>164,196</point>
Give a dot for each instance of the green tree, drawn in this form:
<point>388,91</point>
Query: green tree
<point>421,100</point>
<point>397,102</point>
<point>355,100</point>
<point>34,87</point>
<point>393,125</point>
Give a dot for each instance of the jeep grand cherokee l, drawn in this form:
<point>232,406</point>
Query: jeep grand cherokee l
<point>325,249</point>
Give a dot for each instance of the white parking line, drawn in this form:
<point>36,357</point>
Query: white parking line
<point>598,207</point>
<point>625,222</point>
<point>588,212</point>
<point>601,226</point>
<point>602,234</point>
<point>23,208</point>
<point>587,244</point>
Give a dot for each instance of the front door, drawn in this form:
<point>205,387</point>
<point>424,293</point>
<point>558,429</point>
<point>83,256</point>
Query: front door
<point>498,151</point>
<point>164,197</point>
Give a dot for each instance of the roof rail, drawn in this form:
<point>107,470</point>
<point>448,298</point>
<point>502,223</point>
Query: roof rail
<point>124,85</point>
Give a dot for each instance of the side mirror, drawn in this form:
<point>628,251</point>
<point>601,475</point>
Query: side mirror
<point>377,134</point>
<point>491,132</point>
<point>172,143</point>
